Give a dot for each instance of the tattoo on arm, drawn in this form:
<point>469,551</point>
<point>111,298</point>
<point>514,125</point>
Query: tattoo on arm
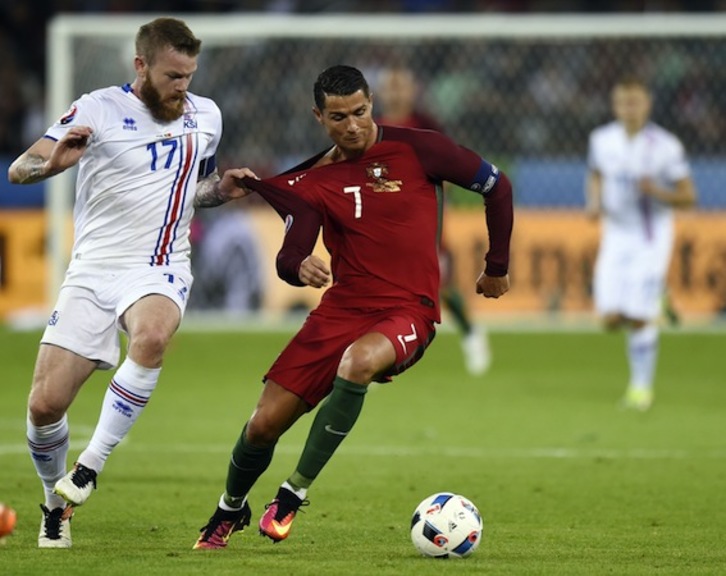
<point>30,169</point>
<point>208,194</point>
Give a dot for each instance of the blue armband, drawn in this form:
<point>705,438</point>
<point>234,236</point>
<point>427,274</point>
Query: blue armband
<point>206,167</point>
<point>485,179</point>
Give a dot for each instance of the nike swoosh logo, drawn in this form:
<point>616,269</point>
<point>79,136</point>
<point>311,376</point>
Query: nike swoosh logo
<point>281,530</point>
<point>333,431</point>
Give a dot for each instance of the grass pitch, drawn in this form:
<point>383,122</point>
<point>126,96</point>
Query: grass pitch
<point>566,482</point>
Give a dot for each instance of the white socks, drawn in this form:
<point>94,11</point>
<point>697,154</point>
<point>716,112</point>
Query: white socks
<point>299,492</point>
<point>224,506</point>
<point>48,447</point>
<point>127,394</point>
<point>642,354</point>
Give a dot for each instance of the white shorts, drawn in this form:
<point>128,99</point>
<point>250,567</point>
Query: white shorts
<point>630,278</point>
<point>86,317</point>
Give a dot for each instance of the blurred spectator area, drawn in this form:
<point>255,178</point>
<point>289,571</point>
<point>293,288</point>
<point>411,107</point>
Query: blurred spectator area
<point>23,34</point>
<point>527,104</point>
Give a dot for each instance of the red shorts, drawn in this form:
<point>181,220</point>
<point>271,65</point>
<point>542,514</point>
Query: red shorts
<point>308,364</point>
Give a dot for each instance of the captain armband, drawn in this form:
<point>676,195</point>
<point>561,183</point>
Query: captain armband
<point>485,179</point>
<point>206,167</point>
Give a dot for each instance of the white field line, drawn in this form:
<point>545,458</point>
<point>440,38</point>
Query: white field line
<point>81,434</point>
<point>544,453</point>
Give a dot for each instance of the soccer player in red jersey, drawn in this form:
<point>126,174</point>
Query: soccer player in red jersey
<point>377,195</point>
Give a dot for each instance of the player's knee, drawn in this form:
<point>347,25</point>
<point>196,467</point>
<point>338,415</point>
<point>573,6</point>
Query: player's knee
<point>358,364</point>
<point>43,409</point>
<point>262,430</point>
<point>149,344</point>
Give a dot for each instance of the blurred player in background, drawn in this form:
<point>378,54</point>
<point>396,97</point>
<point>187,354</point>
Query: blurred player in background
<point>397,100</point>
<point>638,173</point>
<point>376,193</point>
<point>227,263</point>
<point>142,151</point>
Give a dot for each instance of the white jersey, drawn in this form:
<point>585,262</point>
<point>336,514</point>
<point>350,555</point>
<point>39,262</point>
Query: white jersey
<point>622,161</point>
<point>138,176</point>
<point>637,240</point>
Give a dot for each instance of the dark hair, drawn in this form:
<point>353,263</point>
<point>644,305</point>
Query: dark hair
<point>163,32</point>
<point>338,81</point>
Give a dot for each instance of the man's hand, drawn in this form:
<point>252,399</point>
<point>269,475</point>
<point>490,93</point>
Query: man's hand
<point>69,149</point>
<point>214,191</point>
<point>231,187</point>
<point>648,187</point>
<point>314,272</point>
<point>46,157</point>
<point>492,286</point>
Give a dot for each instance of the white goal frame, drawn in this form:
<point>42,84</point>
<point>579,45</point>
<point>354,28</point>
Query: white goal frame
<point>240,28</point>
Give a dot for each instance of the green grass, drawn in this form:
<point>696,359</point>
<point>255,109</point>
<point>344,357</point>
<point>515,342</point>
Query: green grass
<point>567,483</point>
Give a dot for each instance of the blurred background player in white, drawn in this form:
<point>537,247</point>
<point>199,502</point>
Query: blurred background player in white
<point>638,173</point>
<point>398,95</point>
<point>143,150</point>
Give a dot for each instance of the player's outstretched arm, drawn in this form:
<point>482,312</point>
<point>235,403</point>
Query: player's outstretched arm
<point>47,157</point>
<point>500,219</point>
<point>213,191</point>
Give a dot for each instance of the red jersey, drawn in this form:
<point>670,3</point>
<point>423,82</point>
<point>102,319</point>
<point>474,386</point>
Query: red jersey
<point>381,216</point>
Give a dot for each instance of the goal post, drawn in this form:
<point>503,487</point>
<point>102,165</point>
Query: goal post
<point>524,90</point>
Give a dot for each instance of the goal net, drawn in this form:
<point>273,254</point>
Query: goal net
<point>524,91</point>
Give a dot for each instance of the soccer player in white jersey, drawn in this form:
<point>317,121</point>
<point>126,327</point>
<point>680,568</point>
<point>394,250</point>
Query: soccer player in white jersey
<point>145,153</point>
<point>638,173</point>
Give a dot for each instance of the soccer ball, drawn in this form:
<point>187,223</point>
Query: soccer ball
<point>446,525</point>
<point>7,520</point>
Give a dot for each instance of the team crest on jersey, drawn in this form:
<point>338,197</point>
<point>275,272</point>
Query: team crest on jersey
<point>378,172</point>
<point>190,121</point>
<point>69,116</point>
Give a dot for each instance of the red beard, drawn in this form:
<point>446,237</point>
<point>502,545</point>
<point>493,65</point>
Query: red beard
<point>163,110</point>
